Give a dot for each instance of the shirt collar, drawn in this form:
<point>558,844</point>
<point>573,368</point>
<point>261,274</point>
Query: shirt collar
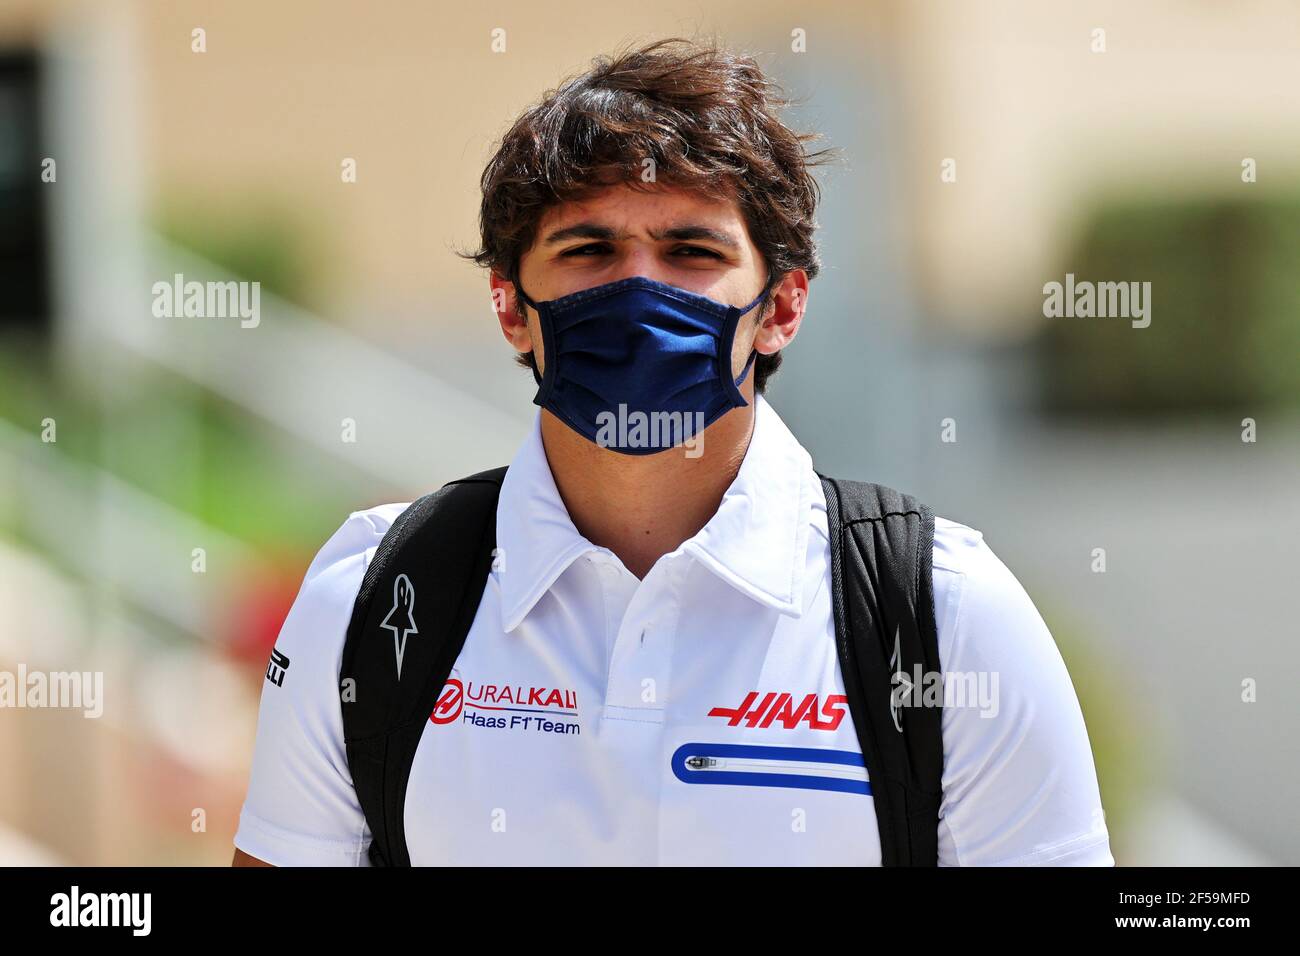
<point>757,540</point>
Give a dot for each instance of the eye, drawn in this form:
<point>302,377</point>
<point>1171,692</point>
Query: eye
<point>598,247</point>
<point>701,249</point>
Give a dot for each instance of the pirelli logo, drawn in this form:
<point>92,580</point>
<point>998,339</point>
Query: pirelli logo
<point>276,667</point>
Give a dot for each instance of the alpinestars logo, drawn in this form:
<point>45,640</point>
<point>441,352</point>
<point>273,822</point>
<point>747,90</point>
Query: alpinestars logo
<point>902,684</point>
<point>780,708</point>
<point>401,617</point>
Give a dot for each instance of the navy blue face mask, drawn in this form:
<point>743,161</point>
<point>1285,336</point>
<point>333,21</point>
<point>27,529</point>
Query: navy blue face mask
<point>638,365</point>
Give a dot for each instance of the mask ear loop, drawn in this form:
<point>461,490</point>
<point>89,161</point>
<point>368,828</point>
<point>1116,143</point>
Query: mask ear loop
<point>527,299</point>
<point>753,353</point>
<point>532,356</point>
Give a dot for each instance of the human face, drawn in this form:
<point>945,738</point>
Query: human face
<point>668,234</point>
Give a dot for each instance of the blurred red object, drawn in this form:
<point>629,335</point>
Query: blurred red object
<point>258,608</point>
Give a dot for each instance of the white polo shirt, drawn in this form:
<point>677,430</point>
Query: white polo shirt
<point>694,717</point>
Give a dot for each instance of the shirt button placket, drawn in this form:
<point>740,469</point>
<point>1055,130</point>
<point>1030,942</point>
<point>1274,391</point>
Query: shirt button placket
<point>638,679</point>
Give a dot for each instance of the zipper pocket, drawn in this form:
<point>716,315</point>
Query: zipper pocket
<point>755,765</point>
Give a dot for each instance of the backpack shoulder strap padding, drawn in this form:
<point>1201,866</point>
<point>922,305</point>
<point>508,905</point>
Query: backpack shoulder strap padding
<point>418,598</point>
<point>883,598</point>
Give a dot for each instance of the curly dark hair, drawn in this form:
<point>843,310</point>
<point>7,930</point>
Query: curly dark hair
<point>707,119</point>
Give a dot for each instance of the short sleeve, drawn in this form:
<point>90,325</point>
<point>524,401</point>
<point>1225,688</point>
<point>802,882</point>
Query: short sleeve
<point>1019,781</point>
<point>301,808</point>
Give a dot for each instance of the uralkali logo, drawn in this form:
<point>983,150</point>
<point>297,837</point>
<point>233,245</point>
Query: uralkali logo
<point>506,706</point>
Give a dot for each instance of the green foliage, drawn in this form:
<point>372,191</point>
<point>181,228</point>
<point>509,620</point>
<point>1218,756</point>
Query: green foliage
<point>261,242</point>
<point>1225,318</point>
<point>1120,729</point>
<point>187,447</point>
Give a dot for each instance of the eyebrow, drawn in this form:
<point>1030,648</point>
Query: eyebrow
<point>680,233</point>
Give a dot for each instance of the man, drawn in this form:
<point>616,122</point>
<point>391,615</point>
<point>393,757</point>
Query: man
<point>664,580</point>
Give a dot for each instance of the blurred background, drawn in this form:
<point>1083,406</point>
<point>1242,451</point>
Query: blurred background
<point>164,482</point>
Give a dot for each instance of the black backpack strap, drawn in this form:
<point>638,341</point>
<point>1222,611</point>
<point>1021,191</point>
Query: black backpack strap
<point>882,545</point>
<point>416,603</point>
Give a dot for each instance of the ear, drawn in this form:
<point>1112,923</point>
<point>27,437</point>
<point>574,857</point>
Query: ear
<point>785,315</point>
<point>513,325</point>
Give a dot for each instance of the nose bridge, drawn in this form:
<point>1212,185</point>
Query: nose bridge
<point>641,259</point>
